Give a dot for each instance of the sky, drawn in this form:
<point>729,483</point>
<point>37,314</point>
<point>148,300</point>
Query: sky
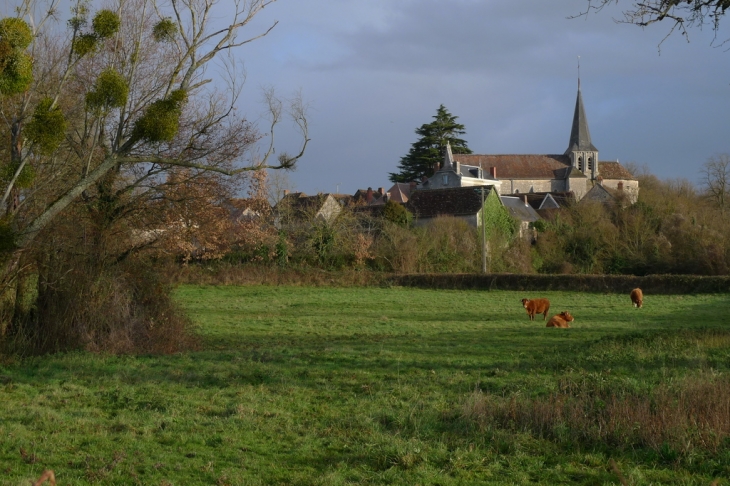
<point>372,72</point>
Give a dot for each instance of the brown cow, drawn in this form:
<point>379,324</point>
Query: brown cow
<point>536,306</point>
<point>560,320</point>
<point>637,297</point>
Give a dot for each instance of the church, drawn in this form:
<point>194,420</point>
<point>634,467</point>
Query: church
<point>578,170</point>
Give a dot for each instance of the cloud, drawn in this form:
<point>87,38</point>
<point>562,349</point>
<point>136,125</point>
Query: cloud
<point>377,70</point>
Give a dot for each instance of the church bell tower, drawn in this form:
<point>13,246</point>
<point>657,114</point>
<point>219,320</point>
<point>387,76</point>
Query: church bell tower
<point>583,154</point>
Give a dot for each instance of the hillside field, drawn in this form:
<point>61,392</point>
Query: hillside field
<point>335,386</point>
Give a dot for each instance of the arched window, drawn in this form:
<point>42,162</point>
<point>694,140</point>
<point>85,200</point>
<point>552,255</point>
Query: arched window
<point>580,164</point>
<point>590,163</point>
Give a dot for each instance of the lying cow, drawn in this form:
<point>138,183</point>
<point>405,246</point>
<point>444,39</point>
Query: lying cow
<point>637,297</point>
<point>560,320</point>
<point>536,306</point>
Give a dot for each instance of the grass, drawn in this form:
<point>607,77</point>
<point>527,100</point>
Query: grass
<point>332,386</point>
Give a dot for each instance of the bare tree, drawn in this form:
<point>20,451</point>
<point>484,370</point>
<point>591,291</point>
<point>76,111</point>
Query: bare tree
<point>716,179</point>
<point>111,115</point>
<point>681,14</point>
<point>150,107</point>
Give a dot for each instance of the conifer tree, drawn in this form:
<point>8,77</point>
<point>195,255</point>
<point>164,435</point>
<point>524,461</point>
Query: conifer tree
<point>429,148</point>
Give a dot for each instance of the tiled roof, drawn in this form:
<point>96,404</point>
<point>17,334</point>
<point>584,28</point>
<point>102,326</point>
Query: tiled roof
<point>534,199</point>
<point>301,202</point>
<point>400,192</point>
<point>455,201</point>
<point>244,209</point>
<point>614,170</point>
<point>361,196</point>
<point>526,166</point>
<point>518,209</point>
<point>344,199</point>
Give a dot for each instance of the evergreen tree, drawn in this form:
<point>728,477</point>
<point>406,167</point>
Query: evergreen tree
<point>429,149</point>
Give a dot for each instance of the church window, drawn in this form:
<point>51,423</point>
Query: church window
<point>590,163</point>
<point>580,163</point>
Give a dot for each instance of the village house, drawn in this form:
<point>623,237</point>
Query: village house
<point>297,207</point>
<point>460,202</point>
<point>522,212</point>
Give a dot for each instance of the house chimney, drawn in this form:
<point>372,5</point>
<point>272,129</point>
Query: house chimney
<point>435,167</point>
<point>369,196</point>
<point>524,198</point>
<point>599,179</point>
<point>493,172</point>
<point>286,192</point>
<point>412,187</point>
<point>381,190</point>
<point>620,186</point>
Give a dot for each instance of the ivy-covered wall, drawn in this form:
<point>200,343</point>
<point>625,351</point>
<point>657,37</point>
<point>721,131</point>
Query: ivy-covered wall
<point>497,219</point>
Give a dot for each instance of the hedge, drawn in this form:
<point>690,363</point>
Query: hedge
<point>654,284</point>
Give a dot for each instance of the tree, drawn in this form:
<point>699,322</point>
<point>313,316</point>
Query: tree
<point>105,121</point>
<point>716,179</point>
<point>428,150</point>
<point>397,214</point>
<point>683,13</point>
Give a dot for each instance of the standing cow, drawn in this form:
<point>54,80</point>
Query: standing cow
<point>536,306</point>
<point>637,297</point>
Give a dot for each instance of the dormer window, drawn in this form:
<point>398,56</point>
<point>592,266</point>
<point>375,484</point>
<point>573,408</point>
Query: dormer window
<point>446,179</point>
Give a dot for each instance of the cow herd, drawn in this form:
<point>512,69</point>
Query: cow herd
<point>542,306</point>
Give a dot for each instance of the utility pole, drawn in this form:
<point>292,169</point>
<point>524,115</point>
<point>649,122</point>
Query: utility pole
<point>484,237</point>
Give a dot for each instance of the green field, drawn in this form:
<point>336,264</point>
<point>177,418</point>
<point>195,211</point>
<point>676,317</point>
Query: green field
<point>297,385</point>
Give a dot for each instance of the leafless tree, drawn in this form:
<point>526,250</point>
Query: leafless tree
<point>162,50</point>
<point>680,14</point>
<point>716,179</point>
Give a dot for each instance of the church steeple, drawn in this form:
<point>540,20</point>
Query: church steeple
<point>448,157</point>
<point>583,154</point>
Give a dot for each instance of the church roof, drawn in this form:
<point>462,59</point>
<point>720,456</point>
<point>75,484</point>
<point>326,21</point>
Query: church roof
<point>580,135</point>
<point>522,166</point>
<point>614,170</point>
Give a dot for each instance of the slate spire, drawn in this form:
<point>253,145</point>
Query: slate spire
<point>448,157</point>
<point>580,136</point>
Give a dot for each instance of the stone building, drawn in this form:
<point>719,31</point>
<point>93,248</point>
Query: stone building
<point>455,174</point>
<point>576,170</point>
<point>459,202</point>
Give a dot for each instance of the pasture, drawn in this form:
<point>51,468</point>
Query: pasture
<point>334,386</point>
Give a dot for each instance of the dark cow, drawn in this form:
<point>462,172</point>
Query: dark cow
<point>536,306</point>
